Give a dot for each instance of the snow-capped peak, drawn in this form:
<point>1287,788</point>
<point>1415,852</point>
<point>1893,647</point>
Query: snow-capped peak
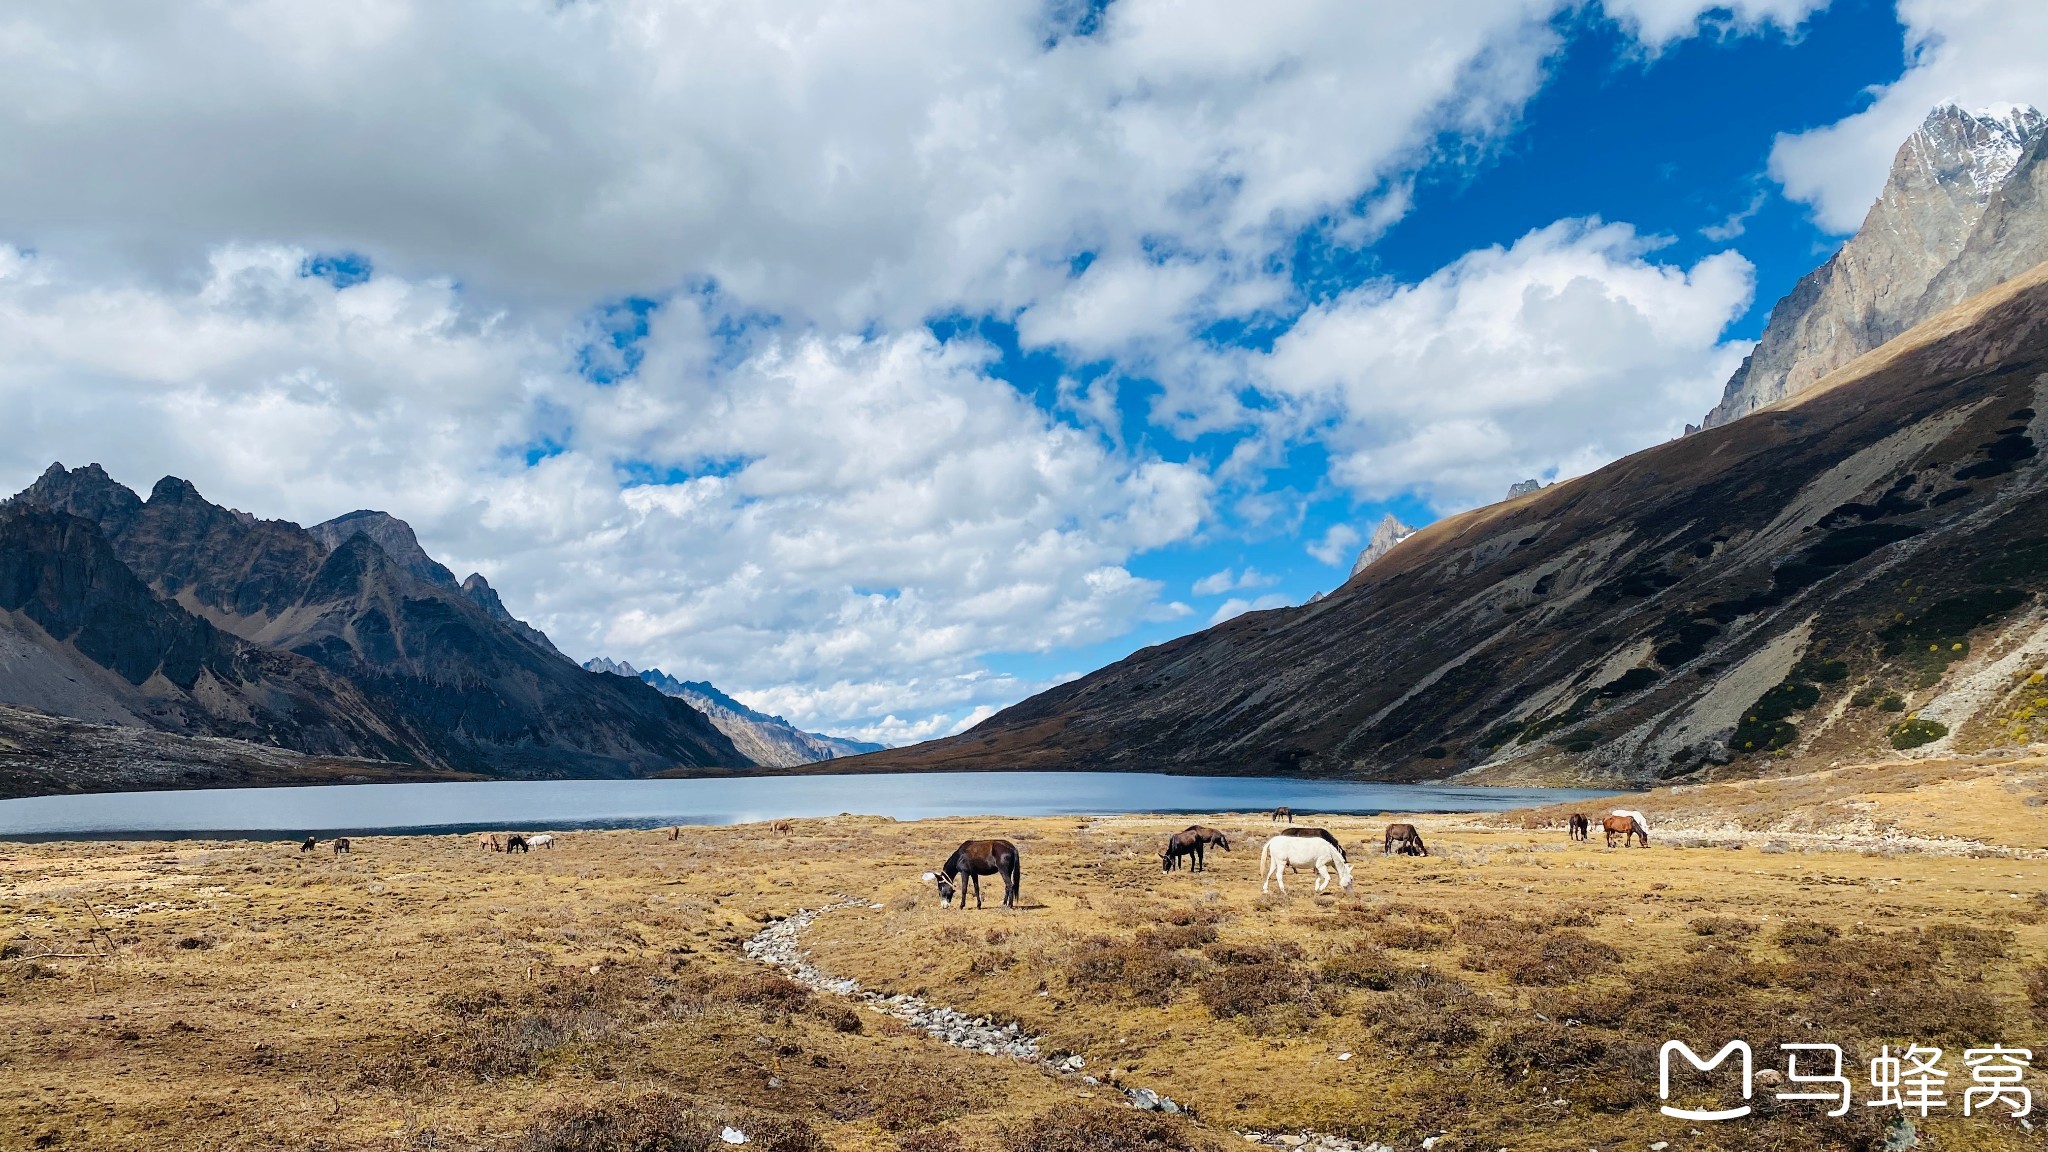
<point>1981,146</point>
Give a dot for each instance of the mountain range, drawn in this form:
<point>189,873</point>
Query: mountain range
<point>769,741</point>
<point>1962,210</point>
<point>345,639</point>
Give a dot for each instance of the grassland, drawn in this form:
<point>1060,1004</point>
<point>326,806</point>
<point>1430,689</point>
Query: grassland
<point>1508,991</point>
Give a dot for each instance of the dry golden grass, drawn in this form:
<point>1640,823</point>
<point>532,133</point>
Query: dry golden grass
<point>420,994</point>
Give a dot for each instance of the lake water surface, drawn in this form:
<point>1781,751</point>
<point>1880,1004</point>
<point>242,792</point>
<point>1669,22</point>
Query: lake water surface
<point>433,808</point>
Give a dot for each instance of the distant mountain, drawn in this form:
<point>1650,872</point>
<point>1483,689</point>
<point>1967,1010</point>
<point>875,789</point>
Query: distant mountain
<point>767,740</point>
<point>1857,572</point>
<point>361,651</point>
<point>1962,211</point>
<point>1385,535</point>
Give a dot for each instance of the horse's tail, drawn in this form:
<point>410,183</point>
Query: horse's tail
<point>1016,877</point>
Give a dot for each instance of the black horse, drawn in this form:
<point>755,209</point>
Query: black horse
<point>308,845</point>
<point>514,842</point>
<point>974,859</point>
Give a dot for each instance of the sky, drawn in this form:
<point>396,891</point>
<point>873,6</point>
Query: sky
<point>885,363</point>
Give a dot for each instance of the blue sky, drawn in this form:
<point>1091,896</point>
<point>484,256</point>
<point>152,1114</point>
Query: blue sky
<point>1676,142</point>
<point>884,363</point>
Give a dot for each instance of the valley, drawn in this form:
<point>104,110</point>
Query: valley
<point>1510,989</point>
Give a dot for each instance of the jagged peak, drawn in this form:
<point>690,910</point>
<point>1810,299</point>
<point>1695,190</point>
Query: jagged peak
<point>393,535</point>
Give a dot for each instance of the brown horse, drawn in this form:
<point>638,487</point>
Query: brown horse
<point>1407,837</point>
<point>974,859</point>
<point>489,842</point>
<point>341,845</point>
<point>779,827</point>
<point>1316,834</point>
<point>1283,810</point>
<point>1179,845</point>
<point>1210,837</point>
<point>1581,827</point>
<point>675,833</point>
<point>1626,827</point>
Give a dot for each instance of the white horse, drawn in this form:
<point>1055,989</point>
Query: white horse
<point>1635,816</point>
<point>541,841</point>
<point>1302,852</point>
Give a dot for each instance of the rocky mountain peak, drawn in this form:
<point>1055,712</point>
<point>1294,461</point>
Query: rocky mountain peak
<point>1961,211</point>
<point>88,493</point>
<point>1387,533</point>
<point>391,534</point>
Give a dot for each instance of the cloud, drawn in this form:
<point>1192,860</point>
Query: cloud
<point>1551,356</point>
<point>1338,546</point>
<point>843,165</point>
<point>1656,23</point>
<point>1231,580</point>
<point>1737,222</point>
<point>861,519</point>
<point>1235,607</point>
<point>1977,54</point>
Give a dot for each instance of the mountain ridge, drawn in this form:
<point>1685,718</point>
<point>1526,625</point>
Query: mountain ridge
<point>770,741</point>
<point>453,678</point>
<point>1855,571</point>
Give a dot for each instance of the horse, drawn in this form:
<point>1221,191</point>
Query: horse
<point>675,833</point>
<point>1407,837</point>
<point>1642,821</point>
<point>1581,828</point>
<point>1283,810</point>
<point>1210,837</point>
<point>489,842</point>
<point>341,845</point>
<point>541,841</point>
<point>1625,827</point>
<point>1315,834</point>
<point>974,859</point>
<point>1178,845</point>
<point>779,827</point>
<point>307,846</point>
<point>514,842</point>
<point>1282,852</point>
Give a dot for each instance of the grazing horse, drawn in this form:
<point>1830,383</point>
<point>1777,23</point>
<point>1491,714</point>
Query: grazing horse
<point>1407,837</point>
<point>489,842</point>
<point>1210,838</point>
<point>1315,834</point>
<point>675,833</point>
<point>974,859</point>
<point>1180,844</point>
<point>514,842</point>
<point>541,841</point>
<point>779,827</point>
<point>1626,827</point>
<point>1581,828</point>
<point>341,845</point>
<point>307,846</point>
<point>1282,852</point>
<point>1283,810</point>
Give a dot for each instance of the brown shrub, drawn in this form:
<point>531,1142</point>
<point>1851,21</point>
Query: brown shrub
<point>1105,969</point>
<point>1177,936</point>
<point>930,1140</point>
<point>1727,927</point>
<point>770,991</point>
<point>1597,1069</point>
<point>1793,935</point>
<point>658,1122</point>
<point>1436,1014</point>
<point>1260,993</point>
<point>1236,953</point>
<point>1970,945</point>
<point>1563,957</point>
<point>1365,966</point>
<point>2037,990</point>
<point>1075,1128</point>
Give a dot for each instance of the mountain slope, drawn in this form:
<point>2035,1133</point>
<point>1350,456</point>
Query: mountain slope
<point>769,741</point>
<point>1766,588</point>
<point>466,686</point>
<point>80,635</point>
<point>1960,213</point>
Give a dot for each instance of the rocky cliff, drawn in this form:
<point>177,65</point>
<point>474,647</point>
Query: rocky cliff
<point>1857,572</point>
<point>1960,212</point>
<point>1387,533</point>
<point>769,741</point>
<point>440,667</point>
